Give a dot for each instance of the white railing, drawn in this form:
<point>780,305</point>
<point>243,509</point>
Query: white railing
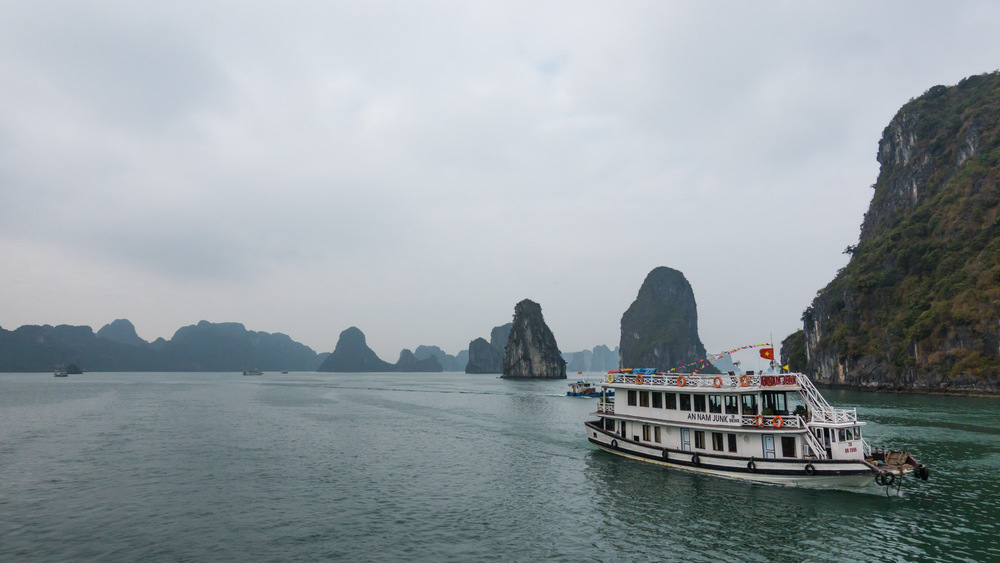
<point>834,416</point>
<point>702,381</point>
<point>606,407</point>
<point>778,421</point>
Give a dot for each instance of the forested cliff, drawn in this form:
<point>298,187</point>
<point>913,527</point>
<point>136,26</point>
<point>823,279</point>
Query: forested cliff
<point>918,304</point>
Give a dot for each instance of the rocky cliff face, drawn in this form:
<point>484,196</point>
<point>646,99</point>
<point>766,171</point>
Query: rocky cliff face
<point>446,361</point>
<point>352,354</point>
<point>531,351</point>
<point>487,357</point>
<point>483,358</point>
<point>660,328</point>
<point>604,358</point>
<point>409,362</point>
<point>918,305</point>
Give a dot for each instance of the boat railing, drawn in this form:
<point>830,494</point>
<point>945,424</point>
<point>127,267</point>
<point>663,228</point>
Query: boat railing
<point>728,381</point>
<point>606,406</point>
<point>866,448</point>
<point>777,421</point>
<point>833,415</point>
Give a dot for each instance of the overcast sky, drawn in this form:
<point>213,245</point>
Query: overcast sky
<point>417,168</point>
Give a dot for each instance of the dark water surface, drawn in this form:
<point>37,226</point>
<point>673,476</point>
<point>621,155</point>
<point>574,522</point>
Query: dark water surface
<point>442,467</point>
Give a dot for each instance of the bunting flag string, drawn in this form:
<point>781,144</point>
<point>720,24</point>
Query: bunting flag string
<point>718,356</point>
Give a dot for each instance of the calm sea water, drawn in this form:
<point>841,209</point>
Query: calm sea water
<point>442,467</point>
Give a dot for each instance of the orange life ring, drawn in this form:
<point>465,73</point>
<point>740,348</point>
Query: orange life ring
<point>681,382</point>
<point>759,420</point>
<point>639,379</point>
<point>717,382</point>
<point>778,422</point>
<point>744,380</point>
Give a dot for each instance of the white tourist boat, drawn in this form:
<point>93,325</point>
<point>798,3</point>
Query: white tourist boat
<point>764,426</point>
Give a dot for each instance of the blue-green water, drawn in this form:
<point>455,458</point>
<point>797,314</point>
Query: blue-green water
<point>442,467</point>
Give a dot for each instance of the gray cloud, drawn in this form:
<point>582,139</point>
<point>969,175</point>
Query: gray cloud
<point>416,169</point>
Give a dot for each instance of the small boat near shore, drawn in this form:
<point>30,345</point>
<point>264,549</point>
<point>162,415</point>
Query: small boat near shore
<point>769,427</point>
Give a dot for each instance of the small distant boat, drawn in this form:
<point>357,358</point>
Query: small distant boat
<point>284,372</point>
<point>253,371</point>
<point>583,389</point>
<point>61,372</point>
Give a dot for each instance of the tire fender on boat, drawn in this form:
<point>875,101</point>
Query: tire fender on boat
<point>614,443</point>
<point>695,459</point>
<point>810,470</point>
<point>751,466</point>
<point>666,454</point>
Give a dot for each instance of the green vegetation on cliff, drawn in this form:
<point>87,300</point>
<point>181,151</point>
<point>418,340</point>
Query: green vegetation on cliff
<point>919,301</point>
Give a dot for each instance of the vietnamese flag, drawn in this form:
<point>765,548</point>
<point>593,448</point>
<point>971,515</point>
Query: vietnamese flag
<point>767,353</point>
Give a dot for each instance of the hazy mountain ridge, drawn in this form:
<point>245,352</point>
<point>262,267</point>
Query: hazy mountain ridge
<point>116,347</point>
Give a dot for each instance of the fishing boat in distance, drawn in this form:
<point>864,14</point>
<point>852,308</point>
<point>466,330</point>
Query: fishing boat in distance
<point>769,426</point>
<point>253,371</point>
<point>583,389</point>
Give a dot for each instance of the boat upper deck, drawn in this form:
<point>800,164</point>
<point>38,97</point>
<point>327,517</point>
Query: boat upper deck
<point>747,382</point>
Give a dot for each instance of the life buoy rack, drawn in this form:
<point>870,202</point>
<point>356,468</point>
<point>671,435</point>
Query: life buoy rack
<point>759,420</point>
<point>717,382</point>
<point>639,380</point>
<point>810,470</point>
<point>778,422</point>
<point>681,381</point>
<point>611,377</point>
<point>745,380</point>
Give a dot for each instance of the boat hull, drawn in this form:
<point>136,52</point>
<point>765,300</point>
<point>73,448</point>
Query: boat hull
<point>791,472</point>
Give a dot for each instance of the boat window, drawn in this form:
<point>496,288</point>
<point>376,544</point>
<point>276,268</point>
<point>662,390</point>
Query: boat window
<point>732,442</point>
<point>656,434</point>
<point>643,398</point>
<point>657,400</point>
<point>646,430</point>
<point>632,397</point>
<point>623,428</point>
<point>788,446</point>
<point>775,401</point>
<point>671,402</point>
<point>857,432</point>
<point>749,405</point>
<point>717,441</point>
<point>732,404</point>
<point>609,424</point>
<point>685,402</point>
<point>699,403</point>
<point>699,439</point>
<point>715,403</point>
<point>850,434</point>
<point>841,435</point>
